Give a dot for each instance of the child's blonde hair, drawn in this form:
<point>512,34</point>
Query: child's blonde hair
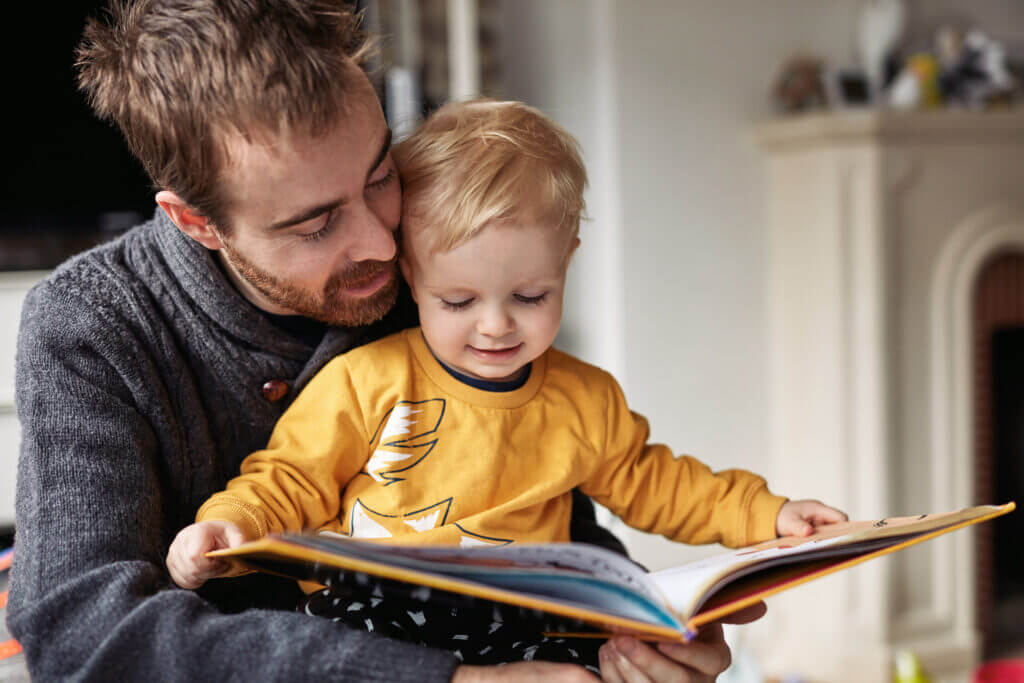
<point>473,163</point>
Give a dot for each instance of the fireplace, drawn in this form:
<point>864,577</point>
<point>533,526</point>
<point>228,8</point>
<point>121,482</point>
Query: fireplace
<point>998,320</point>
<point>884,228</point>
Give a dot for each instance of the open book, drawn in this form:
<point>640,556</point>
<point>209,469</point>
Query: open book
<point>582,584</point>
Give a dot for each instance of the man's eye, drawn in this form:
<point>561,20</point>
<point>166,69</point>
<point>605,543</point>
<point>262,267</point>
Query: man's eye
<point>324,231</point>
<point>456,305</point>
<point>530,299</point>
<point>383,182</point>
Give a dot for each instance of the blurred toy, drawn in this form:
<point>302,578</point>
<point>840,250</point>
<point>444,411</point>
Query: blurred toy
<point>917,86</point>
<point>974,70</point>
<point>909,669</point>
<point>881,28</point>
<point>1000,671</point>
<point>800,85</point>
<point>848,88</point>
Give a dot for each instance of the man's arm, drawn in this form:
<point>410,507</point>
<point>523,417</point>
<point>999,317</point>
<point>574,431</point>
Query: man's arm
<point>90,599</point>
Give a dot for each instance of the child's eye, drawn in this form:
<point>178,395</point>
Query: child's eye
<point>456,305</point>
<point>530,299</point>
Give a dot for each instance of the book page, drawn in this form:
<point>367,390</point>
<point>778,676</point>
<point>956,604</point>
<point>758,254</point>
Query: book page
<point>688,586</point>
<point>551,558</point>
<point>685,586</point>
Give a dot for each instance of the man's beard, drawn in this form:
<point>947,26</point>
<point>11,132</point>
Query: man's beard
<point>331,305</point>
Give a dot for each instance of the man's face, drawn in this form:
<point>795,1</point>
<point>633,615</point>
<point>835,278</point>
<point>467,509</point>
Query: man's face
<point>489,306</point>
<point>312,220</point>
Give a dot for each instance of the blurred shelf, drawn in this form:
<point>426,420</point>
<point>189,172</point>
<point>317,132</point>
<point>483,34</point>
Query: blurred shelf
<point>890,126</point>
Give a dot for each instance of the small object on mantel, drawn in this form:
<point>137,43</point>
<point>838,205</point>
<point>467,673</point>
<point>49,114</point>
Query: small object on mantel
<point>917,86</point>
<point>909,669</point>
<point>882,23</point>
<point>800,85</point>
<point>848,89</point>
<point>274,390</point>
<point>974,69</point>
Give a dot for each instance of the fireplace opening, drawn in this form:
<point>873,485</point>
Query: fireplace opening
<point>1006,636</point>
<point>998,321</point>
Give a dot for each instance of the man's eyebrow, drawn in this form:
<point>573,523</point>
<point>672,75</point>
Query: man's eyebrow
<point>321,209</point>
<point>308,214</point>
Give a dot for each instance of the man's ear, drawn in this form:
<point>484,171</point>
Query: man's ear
<point>188,221</point>
<point>406,268</point>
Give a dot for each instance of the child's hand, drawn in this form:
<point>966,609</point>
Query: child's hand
<point>186,558</point>
<point>800,517</point>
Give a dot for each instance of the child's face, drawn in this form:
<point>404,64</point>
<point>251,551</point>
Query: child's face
<point>493,304</point>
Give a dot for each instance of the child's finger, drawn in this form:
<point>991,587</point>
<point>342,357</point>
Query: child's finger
<point>823,514</point>
<point>207,567</point>
<point>835,515</point>
<point>795,526</point>
<point>182,575</point>
<point>230,536</point>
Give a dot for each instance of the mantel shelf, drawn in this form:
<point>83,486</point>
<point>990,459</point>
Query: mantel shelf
<point>874,126</point>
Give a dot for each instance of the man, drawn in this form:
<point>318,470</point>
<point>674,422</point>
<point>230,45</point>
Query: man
<point>149,367</point>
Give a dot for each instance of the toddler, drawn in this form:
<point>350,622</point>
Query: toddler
<point>471,429</point>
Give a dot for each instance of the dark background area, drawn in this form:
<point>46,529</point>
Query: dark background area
<point>68,178</point>
<point>1008,400</point>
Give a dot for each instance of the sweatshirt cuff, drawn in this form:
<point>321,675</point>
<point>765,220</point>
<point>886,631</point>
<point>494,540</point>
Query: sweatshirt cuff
<point>235,511</point>
<point>763,515</point>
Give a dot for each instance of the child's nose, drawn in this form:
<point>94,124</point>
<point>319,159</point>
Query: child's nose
<point>496,322</point>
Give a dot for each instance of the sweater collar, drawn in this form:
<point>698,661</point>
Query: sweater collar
<point>472,395</point>
<point>195,268</point>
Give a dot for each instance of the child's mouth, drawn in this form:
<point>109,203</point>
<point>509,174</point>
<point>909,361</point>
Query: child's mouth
<point>496,354</point>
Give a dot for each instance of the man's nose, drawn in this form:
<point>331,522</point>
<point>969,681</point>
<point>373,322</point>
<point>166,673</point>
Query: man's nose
<point>495,322</point>
<point>371,239</point>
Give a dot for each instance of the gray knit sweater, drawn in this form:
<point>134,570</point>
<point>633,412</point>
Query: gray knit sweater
<point>139,378</point>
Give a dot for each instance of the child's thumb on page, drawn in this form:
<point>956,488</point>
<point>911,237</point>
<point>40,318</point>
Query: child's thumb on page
<point>230,537</point>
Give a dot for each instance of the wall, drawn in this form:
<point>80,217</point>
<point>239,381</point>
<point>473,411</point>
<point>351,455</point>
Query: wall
<point>662,96</point>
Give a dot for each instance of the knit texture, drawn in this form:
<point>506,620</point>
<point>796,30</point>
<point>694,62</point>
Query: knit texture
<point>139,372</point>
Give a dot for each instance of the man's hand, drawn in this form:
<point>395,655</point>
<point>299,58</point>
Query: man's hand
<point>627,660</point>
<point>524,672</point>
<point>186,558</point>
<point>800,517</point>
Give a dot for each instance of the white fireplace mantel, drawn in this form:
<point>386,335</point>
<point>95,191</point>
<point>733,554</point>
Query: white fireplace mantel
<point>879,223</point>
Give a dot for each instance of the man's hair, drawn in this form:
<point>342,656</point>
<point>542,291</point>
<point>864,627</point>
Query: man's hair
<point>473,163</point>
<point>178,76</point>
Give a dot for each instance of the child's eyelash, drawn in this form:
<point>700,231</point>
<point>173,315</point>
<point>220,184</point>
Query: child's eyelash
<point>531,300</point>
<point>456,305</point>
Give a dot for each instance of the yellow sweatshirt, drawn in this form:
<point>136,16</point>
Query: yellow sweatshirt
<point>385,443</point>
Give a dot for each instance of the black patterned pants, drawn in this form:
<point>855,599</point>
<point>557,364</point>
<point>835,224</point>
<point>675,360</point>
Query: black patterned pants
<point>476,631</point>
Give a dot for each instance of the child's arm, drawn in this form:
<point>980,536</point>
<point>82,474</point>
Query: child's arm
<point>186,558</point>
<point>296,482</point>
<point>678,497</point>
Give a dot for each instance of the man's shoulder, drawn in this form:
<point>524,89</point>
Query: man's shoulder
<point>100,277</point>
<point>95,292</point>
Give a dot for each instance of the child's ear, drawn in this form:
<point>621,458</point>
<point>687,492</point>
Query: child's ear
<point>406,268</point>
<point>572,249</point>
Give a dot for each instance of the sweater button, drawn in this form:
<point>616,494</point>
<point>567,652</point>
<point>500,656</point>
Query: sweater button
<point>274,390</point>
